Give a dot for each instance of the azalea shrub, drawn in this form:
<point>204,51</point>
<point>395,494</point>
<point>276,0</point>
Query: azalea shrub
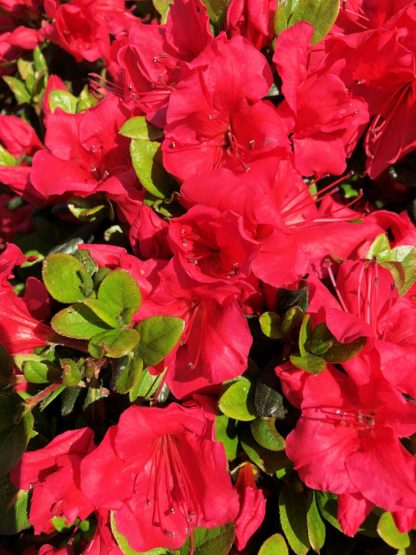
<point>208,277</point>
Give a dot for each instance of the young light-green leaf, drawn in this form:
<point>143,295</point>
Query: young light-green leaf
<point>139,128</point>
<point>387,530</point>
<point>66,278</point>
<point>265,433</point>
<point>147,163</point>
<point>158,336</point>
<point>275,545</point>
<point>64,100</point>
<point>316,526</point>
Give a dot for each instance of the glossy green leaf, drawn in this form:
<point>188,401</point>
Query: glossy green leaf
<point>69,398</point>
<point>267,400</point>
<point>158,336</point>
<point>39,371</point>
<point>147,163</point>
<point>120,295</point>
<point>275,545</point>
<point>64,100</point>
<point>380,249</point>
<point>13,508</point>
<point>268,461</point>
<point>100,309</point>
<point>310,363</point>
<point>236,400</point>
<point>387,530</point>
<point>66,278</point>
<point>215,541</point>
<point>139,128</point>
<point>226,432</point>
<point>146,385</point>
<point>319,13</point>
<point>78,322</point>
<point>39,60</point>
<point>18,88</point>
<point>265,433</point>
<point>271,325</point>
<point>292,511</point>
<point>315,524</point>
<point>55,393</point>
<point>127,374</point>
<point>88,209</point>
<point>113,343</point>
<point>291,298</point>
<point>13,442</point>
<point>341,352</point>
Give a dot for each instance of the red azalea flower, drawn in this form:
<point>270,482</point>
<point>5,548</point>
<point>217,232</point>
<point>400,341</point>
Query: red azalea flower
<point>347,440</point>
<point>53,473</point>
<point>216,117</point>
<point>251,19</point>
<point>252,506</point>
<point>324,119</point>
<point>165,476</point>
<point>155,57</point>
<point>369,305</point>
<point>212,246</point>
<point>20,331</point>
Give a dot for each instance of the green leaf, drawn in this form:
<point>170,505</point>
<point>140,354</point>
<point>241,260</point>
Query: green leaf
<point>327,503</point>
<point>387,530</point>
<point>7,159</point>
<point>265,433</point>
<point>94,394</point>
<point>66,278</point>
<point>216,10</point>
<point>127,373</point>
<point>304,335</point>
<point>55,393</point>
<point>88,209</point>
<point>275,545</point>
<point>18,88</point>
<point>271,325</point>
<point>315,524</point>
<point>380,249</point>
<point>319,13</point>
<point>6,367</point>
<point>78,322</point>
<point>11,409</point>
<point>147,163</point>
<point>13,442</point>
<point>120,294</point>
<point>124,545</point>
<point>268,461</point>
<point>100,309</point>
<point>13,508</point>
<point>292,511</point>
<point>146,385</point>
<point>290,298</point>
<point>268,401</point>
<point>158,336</point>
<point>162,6</point>
<point>310,363</point>
<point>139,128</point>
<point>39,60</point>
<point>235,402</point>
<point>87,261</point>
<point>213,541</point>
<point>38,371</point>
<point>64,100</point>
<point>68,399</point>
<point>226,432</point>
<point>114,343</point>
<point>71,372</point>
<point>341,352</point>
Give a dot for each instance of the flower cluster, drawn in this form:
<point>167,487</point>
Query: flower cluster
<point>207,276</point>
